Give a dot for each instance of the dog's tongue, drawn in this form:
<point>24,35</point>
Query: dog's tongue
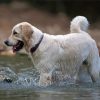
<point>14,48</point>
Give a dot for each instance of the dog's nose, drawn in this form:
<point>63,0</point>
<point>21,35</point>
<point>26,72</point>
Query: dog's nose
<point>6,42</point>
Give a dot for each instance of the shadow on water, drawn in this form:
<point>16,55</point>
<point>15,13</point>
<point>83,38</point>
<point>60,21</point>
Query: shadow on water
<point>24,85</point>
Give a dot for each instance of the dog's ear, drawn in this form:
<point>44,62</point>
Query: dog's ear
<point>26,31</point>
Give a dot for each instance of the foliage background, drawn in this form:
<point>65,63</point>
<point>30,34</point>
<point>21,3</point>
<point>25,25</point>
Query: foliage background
<point>51,16</point>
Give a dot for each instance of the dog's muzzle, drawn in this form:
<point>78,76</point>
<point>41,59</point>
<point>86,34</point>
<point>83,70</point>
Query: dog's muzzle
<point>19,45</point>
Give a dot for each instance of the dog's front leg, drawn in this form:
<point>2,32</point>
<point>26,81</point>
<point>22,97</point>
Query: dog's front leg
<point>46,79</point>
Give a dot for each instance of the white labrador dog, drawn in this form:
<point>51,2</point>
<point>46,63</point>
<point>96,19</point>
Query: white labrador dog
<point>57,57</point>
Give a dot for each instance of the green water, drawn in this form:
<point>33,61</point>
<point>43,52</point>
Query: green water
<point>71,92</point>
<point>16,62</point>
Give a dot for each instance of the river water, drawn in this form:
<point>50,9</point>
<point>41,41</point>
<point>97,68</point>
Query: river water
<point>24,89</point>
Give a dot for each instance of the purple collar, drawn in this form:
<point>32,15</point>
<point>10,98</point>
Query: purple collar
<point>33,49</point>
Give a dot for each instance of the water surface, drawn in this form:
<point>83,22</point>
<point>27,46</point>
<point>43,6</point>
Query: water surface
<point>23,90</point>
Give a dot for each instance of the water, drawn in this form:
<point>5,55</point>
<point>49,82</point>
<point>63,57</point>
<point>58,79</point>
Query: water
<point>24,89</point>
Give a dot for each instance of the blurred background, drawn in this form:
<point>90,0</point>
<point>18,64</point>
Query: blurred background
<point>51,16</point>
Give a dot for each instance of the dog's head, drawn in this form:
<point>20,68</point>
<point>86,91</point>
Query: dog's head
<point>21,36</point>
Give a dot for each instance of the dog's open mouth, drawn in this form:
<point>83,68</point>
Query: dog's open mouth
<point>18,46</point>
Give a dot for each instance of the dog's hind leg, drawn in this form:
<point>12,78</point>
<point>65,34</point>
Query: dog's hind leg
<point>92,75</point>
<point>94,69</point>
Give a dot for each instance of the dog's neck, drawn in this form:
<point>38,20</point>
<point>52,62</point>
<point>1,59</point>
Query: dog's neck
<point>34,48</point>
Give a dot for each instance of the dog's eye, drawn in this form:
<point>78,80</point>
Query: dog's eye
<point>15,33</point>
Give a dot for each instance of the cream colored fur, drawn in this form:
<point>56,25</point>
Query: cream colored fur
<point>60,57</point>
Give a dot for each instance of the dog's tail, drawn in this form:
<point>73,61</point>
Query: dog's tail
<point>79,24</point>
